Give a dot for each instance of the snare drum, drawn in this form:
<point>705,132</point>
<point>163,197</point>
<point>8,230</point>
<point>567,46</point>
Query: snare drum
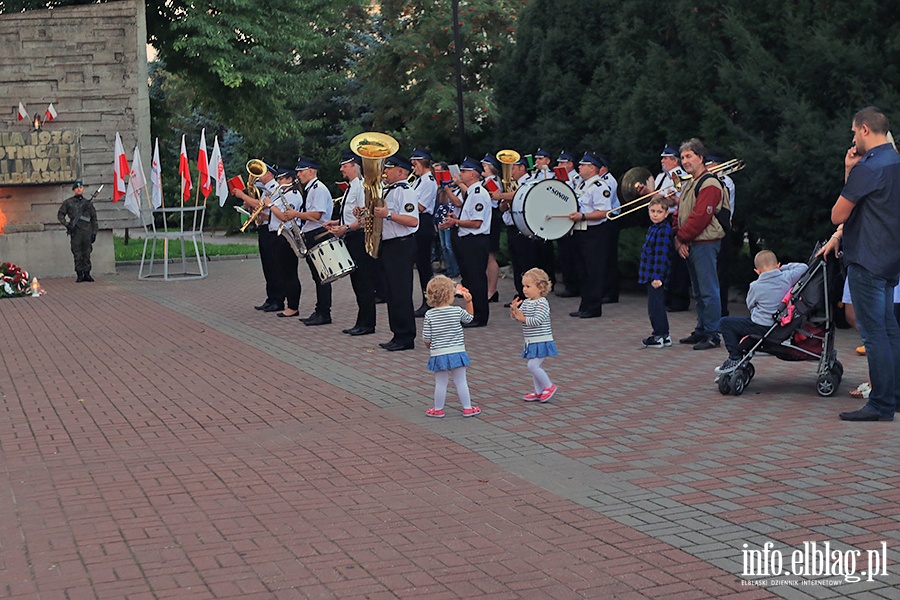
<point>332,260</point>
<point>541,209</point>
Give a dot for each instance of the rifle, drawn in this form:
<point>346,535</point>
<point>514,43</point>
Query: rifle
<point>70,226</point>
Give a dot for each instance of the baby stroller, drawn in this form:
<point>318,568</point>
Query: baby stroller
<point>802,329</point>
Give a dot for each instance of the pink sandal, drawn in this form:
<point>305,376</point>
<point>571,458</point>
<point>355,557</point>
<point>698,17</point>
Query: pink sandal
<point>434,412</point>
<point>471,412</point>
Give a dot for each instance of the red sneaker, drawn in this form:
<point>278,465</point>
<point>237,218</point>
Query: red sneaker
<point>471,412</point>
<point>434,412</point>
<point>548,393</point>
<point>532,397</point>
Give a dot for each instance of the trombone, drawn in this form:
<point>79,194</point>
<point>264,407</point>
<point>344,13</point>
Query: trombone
<point>640,176</point>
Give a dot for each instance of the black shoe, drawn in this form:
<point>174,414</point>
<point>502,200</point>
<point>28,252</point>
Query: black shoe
<point>263,305</point>
<point>274,308</point>
<point>694,338</point>
<point>585,314</point>
<point>474,324</point>
<point>379,300</point>
<point>866,413</point>
<point>397,346</point>
<point>293,316</point>
<point>707,344</point>
<point>80,277</point>
<point>317,319</point>
<point>495,297</point>
<point>420,312</point>
<point>362,330</point>
<point>87,277</point>
<point>386,345</point>
<point>567,293</point>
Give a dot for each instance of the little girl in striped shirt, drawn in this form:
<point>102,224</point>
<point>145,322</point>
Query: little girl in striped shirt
<point>443,335</point>
<point>534,314</point>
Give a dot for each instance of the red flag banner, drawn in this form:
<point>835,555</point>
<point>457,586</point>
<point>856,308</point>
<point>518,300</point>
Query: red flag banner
<point>184,170</point>
<point>203,167</point>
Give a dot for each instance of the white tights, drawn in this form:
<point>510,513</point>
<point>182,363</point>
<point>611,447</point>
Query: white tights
<point>442,379</point>
<point>538,375</point>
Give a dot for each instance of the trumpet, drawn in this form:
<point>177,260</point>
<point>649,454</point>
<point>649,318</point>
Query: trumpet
<point>636,176</point>
<point>507,159</point>
<point>374,148</point>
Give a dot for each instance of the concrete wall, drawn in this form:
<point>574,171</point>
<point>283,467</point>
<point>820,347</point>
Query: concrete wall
<point>90,61</point>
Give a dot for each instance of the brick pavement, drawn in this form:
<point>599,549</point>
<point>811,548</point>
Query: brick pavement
<point>143,460</point>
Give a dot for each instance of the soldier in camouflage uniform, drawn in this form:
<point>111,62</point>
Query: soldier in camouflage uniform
<point>82,227</point>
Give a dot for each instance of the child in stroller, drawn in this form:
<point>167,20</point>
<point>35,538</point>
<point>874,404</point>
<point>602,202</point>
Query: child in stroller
<point>791,319</point>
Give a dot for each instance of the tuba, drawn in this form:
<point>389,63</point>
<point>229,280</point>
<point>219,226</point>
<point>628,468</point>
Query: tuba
<point>255,169</point>
<point>507,159</point>
<point>373,148</point>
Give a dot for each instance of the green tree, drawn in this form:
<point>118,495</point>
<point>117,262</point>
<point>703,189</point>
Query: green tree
<point>774,83</point>
<point>408,74</point>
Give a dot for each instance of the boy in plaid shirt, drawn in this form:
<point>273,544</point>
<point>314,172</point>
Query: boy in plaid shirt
<point>654,271</point>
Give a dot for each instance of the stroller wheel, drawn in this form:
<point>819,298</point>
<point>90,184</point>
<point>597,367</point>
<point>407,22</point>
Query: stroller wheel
<point>725,384</point>
<point>827,384</point>
<point>738,382</point>
<point>751,371</point>
<point>838,369</point>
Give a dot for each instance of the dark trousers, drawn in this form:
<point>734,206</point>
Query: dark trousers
<point>323,290</point>
<point>568,263</point>
<point>80,243</point>
<point>268,257</point>
<point>424,242</point>
<point>678,294</point>
<point>524,254</point>
<point>286,262</point>
<point>362,279</point>
<point>722,268</point>
<point>594,250</point>
<point>397,258</point>
<point>473,258</point>
<point>656,310</point>
<point>733,329</point>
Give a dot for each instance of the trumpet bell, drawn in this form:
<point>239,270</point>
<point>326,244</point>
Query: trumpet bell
<point>629,189</point>
<point>374,145</point>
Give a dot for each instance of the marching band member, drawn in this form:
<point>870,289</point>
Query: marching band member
<point>315,211</point>
<point>426,189</point>
<point>492,172</point>
<point>524,252</point>
<point>595,237</point>
<point>474,244</point>
<point>398,252</point>
<point>542,169</point>
<point>352,230</point>
<point>664,183</point>
<point>568,254</point>
<point>285,258</point>
<point>724,262</point>
<point>275,293</point>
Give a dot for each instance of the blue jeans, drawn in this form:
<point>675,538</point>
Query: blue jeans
<point>452,268</point>
<point>873,302</point>
<point>705,287</point>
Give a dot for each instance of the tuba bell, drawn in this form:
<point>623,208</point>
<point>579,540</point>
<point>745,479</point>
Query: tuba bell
<point>373,148</point>
<point>507,159</point>
<point>256,168</point>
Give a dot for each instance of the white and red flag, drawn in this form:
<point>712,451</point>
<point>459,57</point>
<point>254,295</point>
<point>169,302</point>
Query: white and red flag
<point>135,184</point>
<point>120,170</point>
<point>50,113</point>
<point>217,172</point>
<point>184,169</point>
<point>156,196</point>
<point>22,114</point>
<point>203,166</point>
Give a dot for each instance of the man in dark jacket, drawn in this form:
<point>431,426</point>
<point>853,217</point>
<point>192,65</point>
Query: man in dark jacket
<point>82,228</point>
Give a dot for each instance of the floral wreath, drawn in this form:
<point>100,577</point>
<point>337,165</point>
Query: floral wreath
<point>13,281</point>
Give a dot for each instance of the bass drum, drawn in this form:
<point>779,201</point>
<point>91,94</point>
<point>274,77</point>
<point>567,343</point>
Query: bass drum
<point>332,260</point>
<point>540,209</point>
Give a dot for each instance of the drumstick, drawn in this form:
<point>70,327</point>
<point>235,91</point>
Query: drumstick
<point>548,217</point>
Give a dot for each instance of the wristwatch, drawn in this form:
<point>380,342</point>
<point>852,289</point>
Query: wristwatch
<point>388,217</point>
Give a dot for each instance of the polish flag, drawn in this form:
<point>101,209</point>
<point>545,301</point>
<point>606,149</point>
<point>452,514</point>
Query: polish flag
<point>217,172</point>
<point>50,113</point>
<point>156,195</point>
<point>135,184</point>
<point>203,166</point>
<point>120,171</point>
<point>22,114</point>
<point>184,169</point>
